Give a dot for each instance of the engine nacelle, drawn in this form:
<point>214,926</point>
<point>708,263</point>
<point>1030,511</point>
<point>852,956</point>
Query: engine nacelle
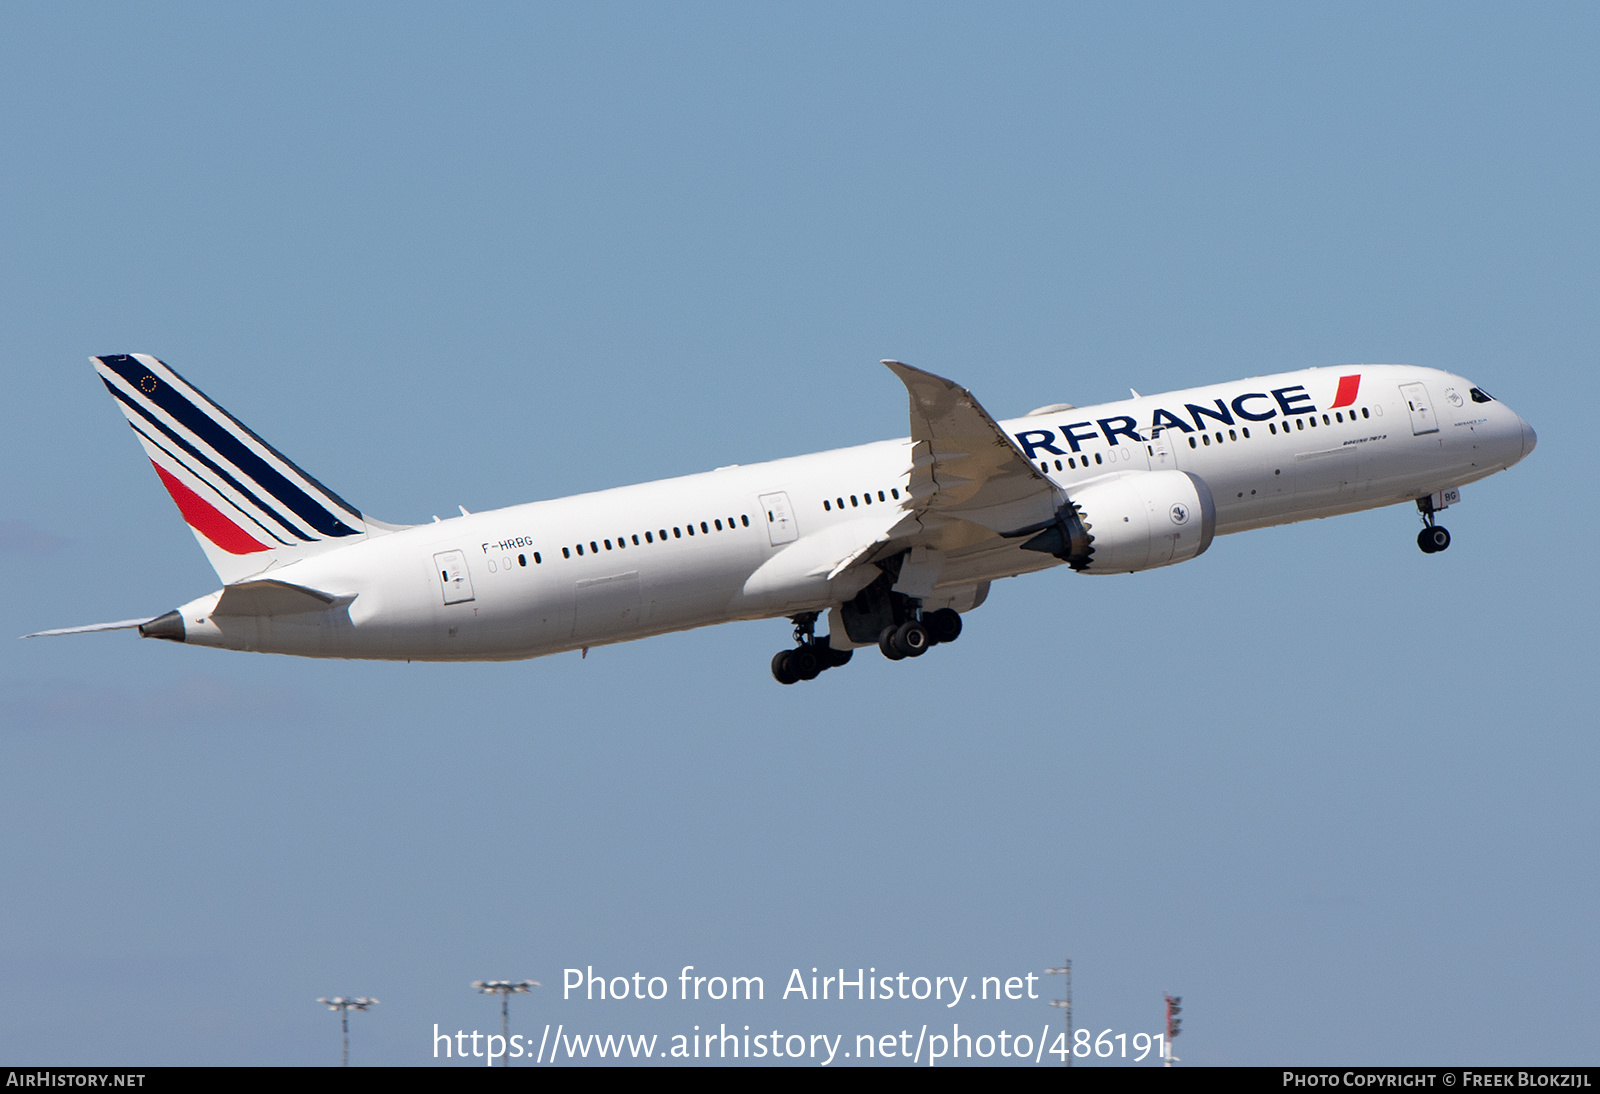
<point>1136,522</point>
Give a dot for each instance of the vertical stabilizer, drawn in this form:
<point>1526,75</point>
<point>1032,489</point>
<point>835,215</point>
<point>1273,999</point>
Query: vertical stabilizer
<point>248,504</point>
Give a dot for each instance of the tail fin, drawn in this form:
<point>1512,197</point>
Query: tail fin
<point>249,506</point>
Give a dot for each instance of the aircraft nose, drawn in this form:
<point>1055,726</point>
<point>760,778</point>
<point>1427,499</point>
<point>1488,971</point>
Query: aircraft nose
<point>1530,439</point>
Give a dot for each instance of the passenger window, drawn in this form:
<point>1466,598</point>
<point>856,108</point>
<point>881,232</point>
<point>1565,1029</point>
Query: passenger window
<point>1313,421</point>
<point>1364,413</point>
<point>636,541</point>
<point>1206,438</point>
<point>744,520</point>
<point>1325,420</point>
<point>895,493</point>
<point>608,545</point>
<point>1338,416</point>
<point>1273,429</point>
<point>1219,436</point>
<point>580,550</point>
<point>565,553</point>
<point>622,543</point>
<point>1097,458</point>
<point>853,503</point>
<point>1192,444</point>
<point>867,497</point>
<point>522,560</point>
<point>703,527</point>
<point>536,559</point>
<point>882,498</point>
<point>839,502</point>
<point>594,548</point>
<point>1232,436</point>
<point>648,538</point>
<point>1246,430</point>
<point>718,523</point>
<point>689,528</point>
<point>677,533</point>
<point>1300,423</point>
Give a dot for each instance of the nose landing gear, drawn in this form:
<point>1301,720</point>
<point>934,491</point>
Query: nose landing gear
<point>1434,537</point>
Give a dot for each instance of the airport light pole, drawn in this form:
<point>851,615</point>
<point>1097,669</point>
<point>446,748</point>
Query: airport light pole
<point>1065,1004</point>
<point>344,1007</point>
<point>505,989</point>
<point>1173,1022</point>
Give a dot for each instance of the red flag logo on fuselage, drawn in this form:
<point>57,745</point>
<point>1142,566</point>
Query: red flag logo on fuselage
<point>1346,395</point>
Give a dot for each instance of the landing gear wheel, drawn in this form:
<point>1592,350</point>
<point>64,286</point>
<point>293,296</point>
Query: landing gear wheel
<point>805,663</point>
<point>886,643</point>
<point>912,639</point>
<point>943,625</point>
<point>782,670</point>
<point>1433,539</point>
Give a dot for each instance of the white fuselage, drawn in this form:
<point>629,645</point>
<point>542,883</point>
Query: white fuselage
<point>663,556</point>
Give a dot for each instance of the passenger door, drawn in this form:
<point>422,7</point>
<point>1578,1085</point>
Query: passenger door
<point>1423,419</point>
<point>780,519</point>
<point>456,583</point>
<point>1162,456</point>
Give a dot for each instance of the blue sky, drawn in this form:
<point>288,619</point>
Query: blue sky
<point>1334,792</point>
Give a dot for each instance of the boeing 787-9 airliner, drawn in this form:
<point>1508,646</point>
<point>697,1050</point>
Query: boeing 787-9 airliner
<point>892,541</point>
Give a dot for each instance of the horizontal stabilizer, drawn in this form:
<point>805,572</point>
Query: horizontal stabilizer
<point>120,625</point>
<point>269,597</point>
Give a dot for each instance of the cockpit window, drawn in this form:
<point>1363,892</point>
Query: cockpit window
<point>1480,396</point>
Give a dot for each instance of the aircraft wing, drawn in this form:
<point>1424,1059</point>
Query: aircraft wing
<point>971,493</point>
<point>963,465</point>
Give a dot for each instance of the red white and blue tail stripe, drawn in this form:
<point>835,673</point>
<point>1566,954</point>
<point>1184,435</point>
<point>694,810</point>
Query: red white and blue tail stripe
<point>250,507</point>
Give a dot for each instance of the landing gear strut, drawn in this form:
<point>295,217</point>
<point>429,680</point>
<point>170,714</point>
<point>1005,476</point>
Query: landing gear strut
<point>1434,537</point>
<point>811,655</point>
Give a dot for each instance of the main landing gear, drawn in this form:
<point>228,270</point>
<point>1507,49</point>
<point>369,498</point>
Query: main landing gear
<point>811,655</point>
<point>915,637</point>
<point>1434,537</point>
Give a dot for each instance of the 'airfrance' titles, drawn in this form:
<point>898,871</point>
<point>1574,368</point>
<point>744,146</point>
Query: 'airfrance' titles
<point>1253,406</point>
